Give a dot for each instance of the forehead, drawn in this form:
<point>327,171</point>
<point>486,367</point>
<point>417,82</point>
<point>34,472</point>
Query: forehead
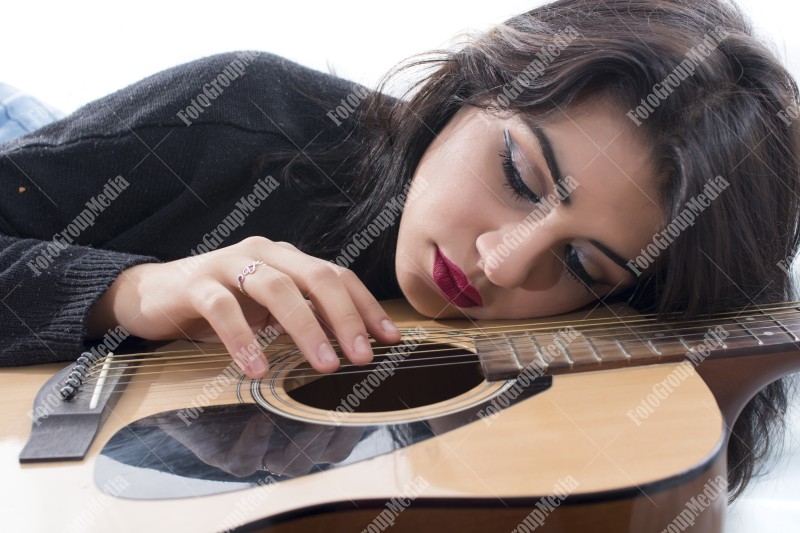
<point>610,158</point>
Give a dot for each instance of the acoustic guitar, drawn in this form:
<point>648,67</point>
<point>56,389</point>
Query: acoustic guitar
<point>600,420</point>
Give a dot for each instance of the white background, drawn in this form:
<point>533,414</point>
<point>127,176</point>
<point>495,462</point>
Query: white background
<point>70,53</point>
<point>73,52</point>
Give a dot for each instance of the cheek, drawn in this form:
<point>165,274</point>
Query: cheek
<point>465,189</point>
<point>439,200</point>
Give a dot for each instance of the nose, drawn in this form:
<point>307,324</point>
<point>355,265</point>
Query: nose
<point>518,254</point>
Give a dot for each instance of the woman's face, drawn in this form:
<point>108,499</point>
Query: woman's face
<point>535,254</point>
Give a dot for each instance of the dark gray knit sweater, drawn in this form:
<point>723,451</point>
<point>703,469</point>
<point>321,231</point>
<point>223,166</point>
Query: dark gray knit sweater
<point>148,174</point>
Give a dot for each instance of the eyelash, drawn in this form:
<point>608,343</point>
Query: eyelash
<point>573,267</point>
<point>514,181</point>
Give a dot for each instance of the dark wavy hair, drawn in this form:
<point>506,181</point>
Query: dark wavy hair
<point>723,120</point>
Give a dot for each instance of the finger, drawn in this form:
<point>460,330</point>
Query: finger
<point>325,327</point>
<point>349,308</point>
<point>278,293</point>
<point>322,324</point>
<point>375,317</point>
<point>322,284</point>
<point>221,310</point>
<point>273,323</point>
<point>336,309</point>
<point>350,314</point>
<point>320,281</point>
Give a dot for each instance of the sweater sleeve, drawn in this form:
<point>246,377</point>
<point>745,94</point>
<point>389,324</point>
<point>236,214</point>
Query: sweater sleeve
<point>48,289</point>
<point>70,191</point>
<point>142,175</point>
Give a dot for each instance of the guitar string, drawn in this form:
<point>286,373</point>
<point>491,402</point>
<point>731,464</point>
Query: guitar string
<point>472,356</point>
<point>208,357</point>
<point>477,332</point>
<point>618,323</point>
<point>472,359</point>
<point>204,360</point>
<point>144,384</point>
<point>452,336</point>
<point>234,381</point>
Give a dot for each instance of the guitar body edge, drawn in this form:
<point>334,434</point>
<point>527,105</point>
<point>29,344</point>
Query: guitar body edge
<point>650,509</point>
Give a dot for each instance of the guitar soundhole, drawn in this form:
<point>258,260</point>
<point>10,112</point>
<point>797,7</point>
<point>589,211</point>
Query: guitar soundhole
<point>441,373</point>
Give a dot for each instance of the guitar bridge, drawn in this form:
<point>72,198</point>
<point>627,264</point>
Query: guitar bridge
<point>71,406</point>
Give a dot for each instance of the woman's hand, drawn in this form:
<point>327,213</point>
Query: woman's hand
<point>199,298</point>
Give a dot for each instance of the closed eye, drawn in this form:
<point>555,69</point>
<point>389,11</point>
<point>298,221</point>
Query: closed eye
<point>513,177</point>
<point>574,269</point>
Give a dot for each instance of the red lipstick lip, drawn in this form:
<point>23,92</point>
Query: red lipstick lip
<point>453,283</point>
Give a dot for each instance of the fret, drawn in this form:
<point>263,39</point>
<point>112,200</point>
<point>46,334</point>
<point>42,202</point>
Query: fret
<point>607,349</point>
<point>548,352</point>
<point>554,351</point>
<point>592,348</point>
<point>623,349</point>
<point>544,364</point>
<point>653,347</point>
<point>784,328</point>
<point>685,345</point>
<point>581,356</point>
<point>499,359</point>
<point>749,332</point>
<point>662,344</point>
<point>773,331</point>
<point>514,352</point>
<point>565,350</point>
<point>720,342</point>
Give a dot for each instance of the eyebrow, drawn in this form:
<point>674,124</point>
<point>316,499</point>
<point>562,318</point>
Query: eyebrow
<point>558,180</point>
<point>550,159</point>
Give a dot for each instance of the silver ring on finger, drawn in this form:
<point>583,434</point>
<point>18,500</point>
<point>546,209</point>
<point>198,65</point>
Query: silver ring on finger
<point>246,271</point>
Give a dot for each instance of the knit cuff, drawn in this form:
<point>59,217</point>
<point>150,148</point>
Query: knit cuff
<point>69,293</point>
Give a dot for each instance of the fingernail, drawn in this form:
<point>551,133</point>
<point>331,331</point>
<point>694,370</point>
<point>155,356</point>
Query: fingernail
<point>362,347</point>
<point>388,327</point>
<point>326,353</point>
<point>257,366</point>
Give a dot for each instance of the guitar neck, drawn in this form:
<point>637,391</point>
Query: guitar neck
<point>617,342</point>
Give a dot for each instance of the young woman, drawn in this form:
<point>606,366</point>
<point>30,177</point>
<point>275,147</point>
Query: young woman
<point>242,190</point>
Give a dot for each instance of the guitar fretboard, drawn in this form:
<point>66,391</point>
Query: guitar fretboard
<point>633,341</point>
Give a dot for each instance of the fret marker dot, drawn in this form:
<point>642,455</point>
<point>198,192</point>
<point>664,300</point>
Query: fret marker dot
<point>767,333</point>
<point>750,318</point>
<point>659,334</point>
